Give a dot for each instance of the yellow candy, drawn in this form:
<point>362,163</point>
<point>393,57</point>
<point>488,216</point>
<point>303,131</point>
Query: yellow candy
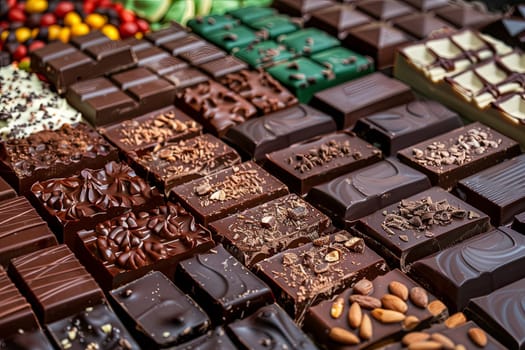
<point>80,29</point>
<point>95,20</point>
<point>111,32</point>
<point>36,6</point>
<point>34,33</point>
<point>139,35</point>
<point>64,34</point>
<point>4,35</point>
<point>53,31</point>
<point>23,34</point>
<point>72,18</point>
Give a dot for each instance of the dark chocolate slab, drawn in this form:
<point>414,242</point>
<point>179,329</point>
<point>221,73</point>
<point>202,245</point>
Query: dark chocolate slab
<point>170,33</point>
<point>228,191</point>
<point>222,66</point>
<point>128,246</point>
<point>213,340</point>
<point>384,10</point>
<point>269,228</point>
<point>166,65</point>
<point>269,325</point>
<point>359,193</point>
<point>421,25</point>
<point>473,268</point>
<point>319,321</point>
<point>465,15</point>
<point>34,340</point>
<point>184,78</point>
<point>183,44</point>
<point>258,136</point>
<point>519,223</point>
<point>350,101</point>
<point>6,191</point>
<point>501,313</point>
<point>222,285</point>
<point>22,230</point>
<point>498,191</point>
<point>338,19</point>
<point>159,313</point>
<point>55,283</point>
<point>53,153</point>
<point>202,54</point>
<point>452,156</point>
<point>404,234</point>
<point>300,8</point>
<point>426,5</point>
<point>399,127</point>
<point>312,162</point>
<point>95,327</point>
<point>303,276</point>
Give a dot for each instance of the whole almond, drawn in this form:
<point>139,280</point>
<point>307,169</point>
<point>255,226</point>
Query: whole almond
<point>425,345</point>
<point>355,315</point>
<point>365,330</point>
<point>387,316</point>
<point>447,343</point>
<point>393,302</point>
<point>414,337</point>
<point>398,289</point>
<point>337,308</point>
<point>455,320</point>
<point>365,301</point>
<point>478,336</point>
<point>363,287</point>
<point>343,336</point>
<point>419,297</point>
<point>436,307</point>
<point>410,322</point>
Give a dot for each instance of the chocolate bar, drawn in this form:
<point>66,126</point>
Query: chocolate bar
<point>519,222</point>
<point>6,191</point>
<point>338,19</point>
<point>300,8</point>
<point>213,340</point>
<point>34,340</point>
<point>384,10</point>
<point>222,66</point>
<point>509,29</point>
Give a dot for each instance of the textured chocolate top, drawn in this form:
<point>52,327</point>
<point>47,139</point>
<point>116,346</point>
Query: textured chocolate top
<point>260,89</point>
<point>270,326</point>
<point>269,228</point>
<point>160,311</point>
<point>55,283</point>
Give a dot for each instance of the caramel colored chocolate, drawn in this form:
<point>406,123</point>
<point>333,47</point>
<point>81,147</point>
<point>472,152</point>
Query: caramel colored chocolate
<point>312,162</point>
<point>269,228</point>
<point>126,247</point>
<point>303,276</point>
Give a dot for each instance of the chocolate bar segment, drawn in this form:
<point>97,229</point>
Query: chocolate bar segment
<point>159,313</point>
<point>34,340</point>
<point>300,8</point>
<point>49,153</point>
<point>216,339</point>
<point>269,228</point>
<point>354,195</point>
<point>6,191</point>
<point>228,191</point>
<point>126,247</point>
<point>312,162</point>
<point>222,66</point>
<point>338,19</point>
<point>303,276</point>
<point>421,225</point>
<point>519,223</point>
<point>384,10</point>
<point>55,283</point>
<point>222,285</point>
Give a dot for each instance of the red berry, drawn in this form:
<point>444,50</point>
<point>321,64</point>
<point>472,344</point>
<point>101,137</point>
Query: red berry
<point>128,29</point>
<point>20,5</point>
<point>48,19</point>
<point>89,7</point>
<point>142,24</point>
<point>104,3</point>
<point>63,8</point>
<point>118,7</point>
<point>35,45</point>
<point>127,16</point>
<point>20,52</point>
<point>4,25</point>
<point>11,3</point>
<point>16,15</point>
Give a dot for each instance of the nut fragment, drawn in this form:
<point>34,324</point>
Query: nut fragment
<point>343,336</point>
<point>398,289</point>
<point>365,301</point>
<point>337,308</point>
<point>363,287</point>
<point>445,341</point>
<point>365,330</point>
<point>436,307</point>
<point>410,322</point>
<point>333,256</point>
<point>455,320</point>
<point>414,337</point>
<point>355,244</point>
<point>425,345</point>
<point>219,195</point>
<point>387,316</point>
<point>419,297</point>
<point>478,336</point>
<point>393,302</point>
<point>267,221</point>
<point>355,314</point>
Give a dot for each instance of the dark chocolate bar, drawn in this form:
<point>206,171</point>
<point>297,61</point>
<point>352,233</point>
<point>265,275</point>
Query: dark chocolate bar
<point>34,340</point>
<point>519,222</point>
<point>222,66</point>
<point>338,19</point>
<point>384,10</point>
<point>6,191</point>
<point>213,340</point>
<point>300,8</point>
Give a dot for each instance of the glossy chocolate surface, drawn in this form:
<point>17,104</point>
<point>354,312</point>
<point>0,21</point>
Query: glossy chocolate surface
<point>350,101</point>
<point>175,163</point>
<point>399,127</point>
<point>303,276</point>
<point>55,283</point>
<point>498,191</point>
<point>159,312</point>
<point>124,248</point>
<point>213,340</point>
<point>312,162</point>
<point>184,78</point>
<point>228,191</point>
<point>269,228</point>
<point>352,196</point>
<point>22,231</point>
<point>96,326</point>
<point>300,8</point>
<point>278,130</point>
<point>35,340</point>
<point>384,10</point>
<point>519,223</point>
<point>420,225</point>
<point>449,157</point>
<point>222,285</point>
<point>465,15</point>
<point>269,325</point>
<point>338,19</point>
<point>474,267</point>
<point>222,66</point>
<point>421,25</point>
<point>319,321</point>
<point>202,54</point>
<point>47,154</point>
<point>502,314</point>
<point>6,191</point>
<point>215,107</point>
